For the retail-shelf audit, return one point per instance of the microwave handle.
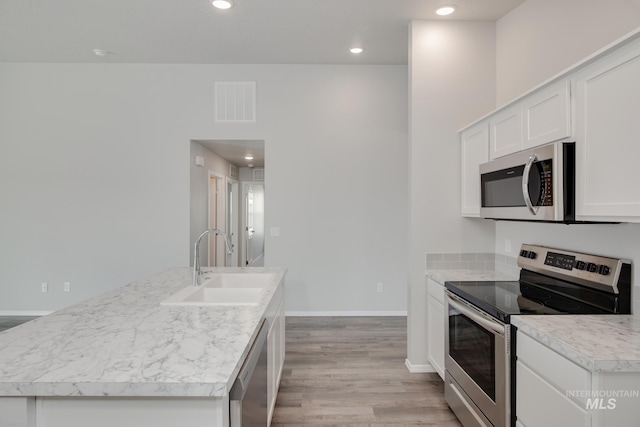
(525, 185)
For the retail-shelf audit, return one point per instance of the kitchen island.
(123, 359)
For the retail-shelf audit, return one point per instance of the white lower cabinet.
(543, 382)
(275, 355)
(553, 391)
(435, 331)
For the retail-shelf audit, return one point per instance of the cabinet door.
(474, 148)
(505, 132)
(275, 358)
(543, 379)
(607, 127)
(435, 330)
(539, 404)
(547, 115)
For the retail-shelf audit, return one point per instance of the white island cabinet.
(275, 349)
(577, 370)
(123, 359)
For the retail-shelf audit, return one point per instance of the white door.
(253, 224)
(217, 219)
(233, 221)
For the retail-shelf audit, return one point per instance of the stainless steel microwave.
(531, 185)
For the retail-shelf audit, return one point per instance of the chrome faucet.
(196, 252)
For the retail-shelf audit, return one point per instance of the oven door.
(477, 364)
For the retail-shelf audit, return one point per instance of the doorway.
(218, 169)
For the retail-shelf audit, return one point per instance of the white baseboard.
(24, 313)
(419, 369)
(344, 313)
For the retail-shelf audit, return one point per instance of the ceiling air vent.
(235, 102)
(258, 174)
(233, 171)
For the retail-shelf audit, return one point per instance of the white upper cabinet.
(607, 129)
(538, 119)
(474, 147)
(547, 115)
(597, 105)
(505, 131)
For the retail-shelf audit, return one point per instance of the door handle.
(525, 185)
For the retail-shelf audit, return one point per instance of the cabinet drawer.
(554, 368)
(541, 404)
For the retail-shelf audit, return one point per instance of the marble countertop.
(124, 343)
(598, 343)
(442, 276)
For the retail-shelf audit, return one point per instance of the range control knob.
(604, 270)
(524, 253)
(581, 265)
(532, 255)
(591, 267)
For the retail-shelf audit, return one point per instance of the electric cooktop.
(553, 281)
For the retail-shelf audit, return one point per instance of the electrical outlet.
(507, 246)
(45, 287)
(67, 286)
(380, 287)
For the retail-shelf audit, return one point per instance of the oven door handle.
(525, 185)
(473, 315)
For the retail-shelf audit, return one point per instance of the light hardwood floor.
(350, 371)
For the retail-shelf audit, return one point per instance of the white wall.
(199, 196)
(452, 82)
(535, 41)
(541, 38)
(94, 177)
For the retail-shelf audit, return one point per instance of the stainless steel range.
(479, 340)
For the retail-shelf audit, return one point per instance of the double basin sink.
(223, 289)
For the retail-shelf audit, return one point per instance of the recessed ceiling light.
(222, 4)
(356, 50)
(100, 52)
(445, 10)
(248, 157)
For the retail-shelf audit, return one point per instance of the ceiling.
(192, 31)
(235, 150)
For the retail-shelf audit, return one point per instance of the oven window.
(473, 348)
